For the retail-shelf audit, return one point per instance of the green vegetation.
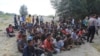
(5, 16)
(76, 8)
(23, 10)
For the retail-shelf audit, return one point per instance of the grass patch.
(97, 46)
(0, 30)
(5, 17)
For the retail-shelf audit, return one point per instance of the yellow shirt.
(28, 20)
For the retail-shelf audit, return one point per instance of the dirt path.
(84, 50)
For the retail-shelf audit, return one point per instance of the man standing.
(33, 20)
(41, 20)
(29, 22)
(99, 21)
(73, 22)
(92, 26)
(15, 22)
(37, 20)
(22, 20)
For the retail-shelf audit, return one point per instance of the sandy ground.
(8, 46)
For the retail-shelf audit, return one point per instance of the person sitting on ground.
(48, 45)
(21, 43)
(23, 28)
(59, 44)
(81, 35)
(10, 31)
(29, 49)
(68, 42)
(19, 36)
(74, 36)
(64, 31)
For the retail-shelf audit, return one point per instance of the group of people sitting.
(36, 39)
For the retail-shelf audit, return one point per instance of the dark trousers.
(91, 33)
(38, 52)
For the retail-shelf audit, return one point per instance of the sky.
(39, 7)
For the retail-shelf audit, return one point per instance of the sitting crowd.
(39, 38)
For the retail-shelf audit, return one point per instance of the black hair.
(23, 35)
(69, 35)
(48, 34)
(10, 25)
(21, 32)
(58, 38)
(29, 41)
(74, 29)
(29, 15)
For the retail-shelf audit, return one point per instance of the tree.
(1, 12)
(23, 10)
(77, 8)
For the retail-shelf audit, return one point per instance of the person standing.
(19, 22)
(92, 26)
(15, 22)
(22, 19)
(85, 22)
(41, 20)
(99, 21)
(29, 23)
(33, 20)
(37, 20)
(73, 22)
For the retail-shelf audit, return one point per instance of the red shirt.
(48, 45)
(80, 33)
(19, 36)
(10, 29)
(64, 32)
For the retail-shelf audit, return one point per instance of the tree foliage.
(23, 10)
(77, 8)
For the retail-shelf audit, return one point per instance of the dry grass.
(97, 46)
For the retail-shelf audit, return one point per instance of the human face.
(49, 37)
(31, 43)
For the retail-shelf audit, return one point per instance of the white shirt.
(41, 19)
(92, 22)
(72, 21)
(98, 21)
(21, 19)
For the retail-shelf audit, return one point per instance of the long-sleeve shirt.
(28, 51)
